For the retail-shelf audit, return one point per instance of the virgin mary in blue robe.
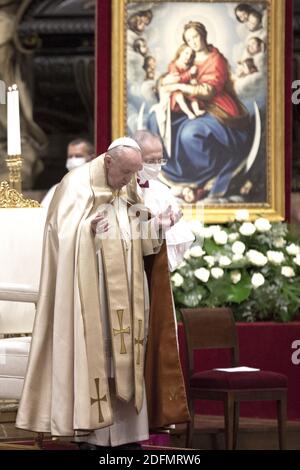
(211, 147)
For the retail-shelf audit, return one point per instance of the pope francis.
(103, 363)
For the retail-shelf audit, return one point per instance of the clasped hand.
(100, 223)
(168, 218)
(163, 221)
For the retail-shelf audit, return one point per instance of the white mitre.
(124, 142)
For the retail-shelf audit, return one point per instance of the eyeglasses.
(161, 161)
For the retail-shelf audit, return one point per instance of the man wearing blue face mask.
(159, 199)
(79, 151)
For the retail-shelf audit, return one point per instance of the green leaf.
(211, 247)
(189, 284)
(219, 289)
(201, 292)
(238, 293)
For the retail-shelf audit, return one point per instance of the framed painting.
(208, 77)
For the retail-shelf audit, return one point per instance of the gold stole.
(126, 316)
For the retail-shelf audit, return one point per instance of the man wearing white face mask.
(79, 151)
(159, 199)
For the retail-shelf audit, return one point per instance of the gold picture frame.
(272, 204)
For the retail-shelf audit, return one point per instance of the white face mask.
(150, 171)
(74, 162)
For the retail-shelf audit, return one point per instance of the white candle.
(13, 122)
(9, 121)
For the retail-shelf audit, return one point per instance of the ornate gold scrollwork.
(11, 198)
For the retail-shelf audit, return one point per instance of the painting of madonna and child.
(197, 75)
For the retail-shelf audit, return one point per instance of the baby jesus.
(182, 66)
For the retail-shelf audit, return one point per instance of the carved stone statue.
(33, 139)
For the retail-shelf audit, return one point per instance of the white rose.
(220, 237)
(181, 265)
(287, 271)
(202, 274)
(210, 260)
(247, 229)
(196, 227)
(238, 248)
(279, 242)
(187, 255)
(217, 273)
(237, 257)
(196, 252)
(257, 280)
(262, 225)
(215, 228)
(256, 257)
(177, 279)
(207, 232)
(241, 215)
(224, 261)
(235, 276)
(275, 257)
(232, 237)
(297, 260)
(293, 249)
(203, 232)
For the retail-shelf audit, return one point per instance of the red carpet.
(156, 441)
(31, 445)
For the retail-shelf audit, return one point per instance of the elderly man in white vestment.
(88, 363)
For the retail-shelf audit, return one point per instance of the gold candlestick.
(14, 165)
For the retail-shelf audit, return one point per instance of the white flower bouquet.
(251, 267)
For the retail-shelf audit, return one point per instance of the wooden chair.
(215, 328)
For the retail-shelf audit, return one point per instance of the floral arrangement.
(251, 267)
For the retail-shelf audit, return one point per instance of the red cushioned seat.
(214, 328)
(217, 379)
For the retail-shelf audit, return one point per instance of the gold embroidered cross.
(98, 400)
(140, 342)
(122, 331)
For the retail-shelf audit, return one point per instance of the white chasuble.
(128, 425)
(67, 386)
